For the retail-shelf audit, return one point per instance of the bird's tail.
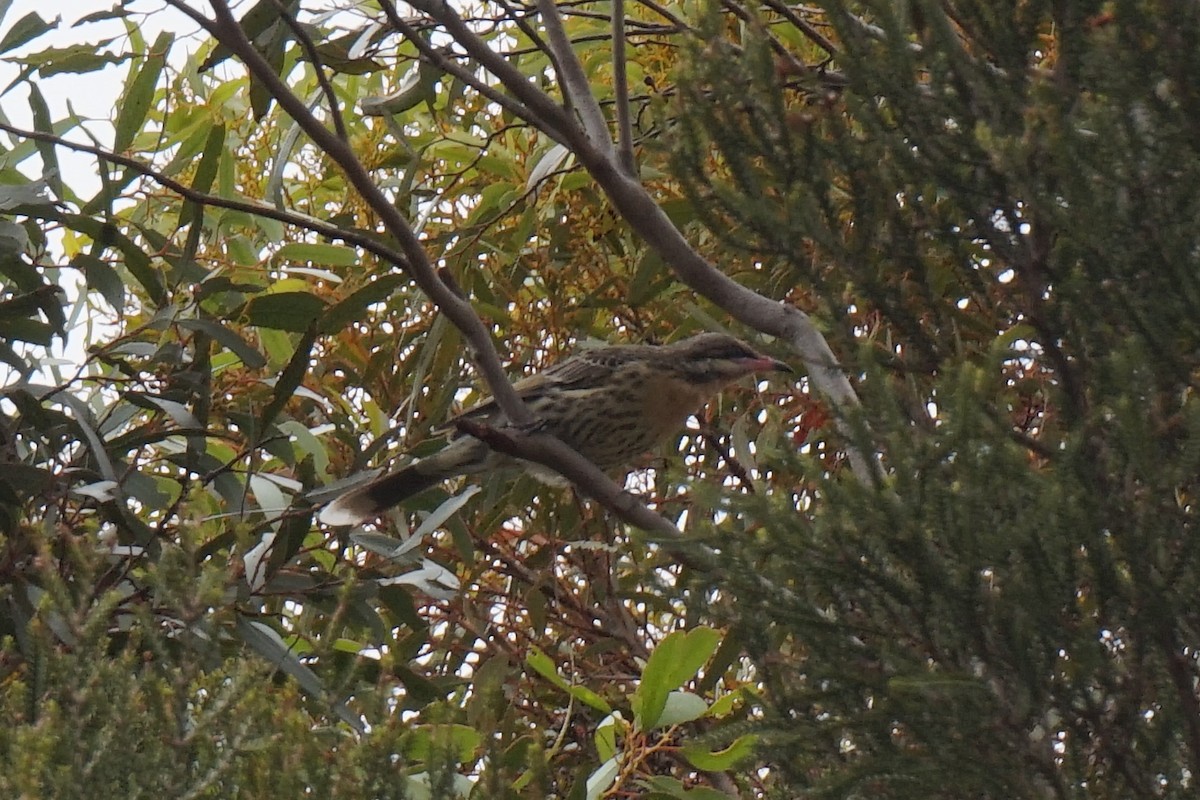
(462, 457)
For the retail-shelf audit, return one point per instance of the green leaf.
(383, 545)
(290, 379)
(725, 704)
(48, 152)
(267, 643)
(178, 412)
(681, 707)
(443, 512)
(258, 23)
(107, 235)
(79, 58)
(26, 29)
(272, 46)
(334, 255)
(427, 742)
(418, 86)
(602, 778)
(606, 736)
(141, 268)
(352, 308)
(206, 172)
(702, 758)
(116, 12)
(674, 661)
(84, 419)
(135, 101)
(540, 663)
(102, 278)
(23, 329)
(285, 311)
(229, 339)
(32, 193)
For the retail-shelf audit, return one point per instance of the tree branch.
(791, 324)
(625, 153)
(443, 60)
(803, 25)
(357, 238)
(549, 118)
(542, 448)
(649, 221)
(310, 49)
(572, 78)
(225, 29)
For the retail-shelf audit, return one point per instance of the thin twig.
(545, 114)
(366, 241)
(804, 26)
(310, 49)
(444, 61)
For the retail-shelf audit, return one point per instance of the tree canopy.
(955, 558)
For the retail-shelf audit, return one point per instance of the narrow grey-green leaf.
(78, 59)
(83, 418)
(139, 93)
(178, 412)
(336, 255)
(353, 307)
(206, 172)
(444, 512)
(32, 193)
(26, 29)
(290, 379)
(229, 339)
(102, 278)
(49, 153)
(263, 639)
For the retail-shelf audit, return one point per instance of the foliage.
(1013, 613)
(102, 696)
(987, 213)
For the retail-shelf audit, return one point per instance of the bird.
(610, 404)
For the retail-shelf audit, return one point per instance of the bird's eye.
(734, 353)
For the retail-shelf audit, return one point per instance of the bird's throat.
(668, 401)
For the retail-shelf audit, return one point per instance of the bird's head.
(716, 358)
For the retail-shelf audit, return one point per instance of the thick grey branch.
(572, 77)
(625, 153)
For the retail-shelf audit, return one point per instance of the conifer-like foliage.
(995, 216)
(955, 558)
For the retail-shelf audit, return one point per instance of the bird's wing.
(585, 369)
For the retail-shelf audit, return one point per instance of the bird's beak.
(767, 364)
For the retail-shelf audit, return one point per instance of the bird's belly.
(613, 428)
